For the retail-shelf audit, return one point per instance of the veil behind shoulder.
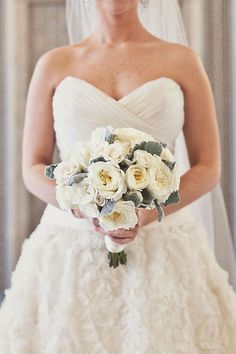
(163, 19)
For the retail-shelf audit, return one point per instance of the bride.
(172, 296)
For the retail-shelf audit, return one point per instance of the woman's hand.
(120, 236)
(146, 216)
(123, 236)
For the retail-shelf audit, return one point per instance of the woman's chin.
(116, 7)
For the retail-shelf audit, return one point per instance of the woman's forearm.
(194, 183)
(40, 185)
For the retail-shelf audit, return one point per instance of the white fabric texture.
(163, 18)
(171, 297)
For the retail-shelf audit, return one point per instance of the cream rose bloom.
(167, 155)
(87, 198)
(66, 169)
(99, 149)
(115, 152)
(86, 192)
(162, 181)
(99, 200)
(123, 215)
(89, 209)
(67, 196)
(143, 158)
(132, 136)
(99, 134)
(81, 153)
(137, 177)
(108, 179)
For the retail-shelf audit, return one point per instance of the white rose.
(167, 155)
(99, 149)
(67, 196)
(81, 153)
(86, 192)
(162, 181)
(143, 158)
(115, 152)
(108, 179)
(137, 177)
(132, 136)
(89, 209)
(99, 134)
(99, 200)
(123, 215)
(66, 169)
(87, 198)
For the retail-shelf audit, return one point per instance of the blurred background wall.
(31, 27)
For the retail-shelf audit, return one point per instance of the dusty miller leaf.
(170, 164)
(147, 197)
(76, 178)
(173, 198)
(134, 197)
(110, 137)
(49, 171)
(101, 158)
(108, 207)
(160, 210)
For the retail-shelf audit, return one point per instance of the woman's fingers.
(95, 221)
(122, 241)
(120, 236)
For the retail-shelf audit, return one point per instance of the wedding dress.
(171, 297)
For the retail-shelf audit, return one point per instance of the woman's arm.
(200, 131)
(38, 136)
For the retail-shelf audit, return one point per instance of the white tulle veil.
(163, 19)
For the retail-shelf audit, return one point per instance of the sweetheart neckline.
(135, 90)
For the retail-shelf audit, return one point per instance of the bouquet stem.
(117, 258)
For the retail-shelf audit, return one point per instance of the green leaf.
(153, 147)
(170, 164)
(164, 145)
(98, 159)
(76, 178)
(49, 171)
(160, 210)
(124, 164)
(173, 198)
(108, 207)
(110, 137)
(147, 197)
(135, 197)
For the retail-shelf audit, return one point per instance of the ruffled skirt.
(172, 297)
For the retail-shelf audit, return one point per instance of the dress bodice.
(156, 107)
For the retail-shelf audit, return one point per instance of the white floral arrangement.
(117, 171)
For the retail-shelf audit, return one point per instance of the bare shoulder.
(187, 65)
(53, 63)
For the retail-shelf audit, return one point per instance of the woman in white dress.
(172, 296)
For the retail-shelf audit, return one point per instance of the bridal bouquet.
(117, 171)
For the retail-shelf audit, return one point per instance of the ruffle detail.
(171, 298)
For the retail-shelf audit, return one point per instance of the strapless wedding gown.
(172, 297)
